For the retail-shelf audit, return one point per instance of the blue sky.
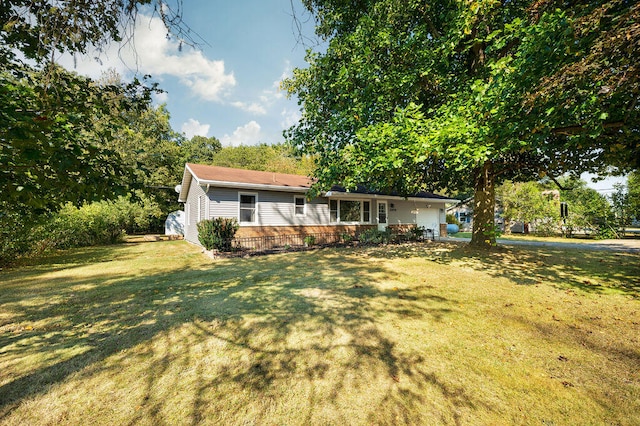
(229, 86)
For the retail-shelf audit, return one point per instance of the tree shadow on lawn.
(324, 298)
(588, 270)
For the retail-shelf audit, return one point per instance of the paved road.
(630, 246)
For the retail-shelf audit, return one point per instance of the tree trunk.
(484, 202)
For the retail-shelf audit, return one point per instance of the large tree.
(429, 95)
(56, 128)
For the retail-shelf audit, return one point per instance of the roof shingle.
(227, 174)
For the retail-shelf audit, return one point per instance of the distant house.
(463, 212)
(266, 203)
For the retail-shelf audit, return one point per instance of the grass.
(156, 333)
(531, 237)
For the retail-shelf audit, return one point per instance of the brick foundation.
(443, 229)
(268, 231)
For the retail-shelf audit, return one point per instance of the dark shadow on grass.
(326, 292)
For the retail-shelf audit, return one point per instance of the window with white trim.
(248, 208)
(333, 210)
(300, 205)
(349, 211)
(366, 211)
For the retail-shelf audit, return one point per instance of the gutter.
(254, 186)
(337, 194)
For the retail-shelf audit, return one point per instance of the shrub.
(217, 233)
(451, 218)
(16, 236)
(374, 236)
(102, 222)
(346, 237)
(97, 223)
(309, 240)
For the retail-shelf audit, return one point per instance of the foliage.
(375, 236)
(529, 203)
(272, 158)
(414, 233)
(97, 223)
(15, 235)
(346, 237)
(621, 206)
(309, 240)
(217, 233)
(451, 218)
(414, 95)
(51, 139)
(589, 211)
(92, 224)
(57, 129)
(200, 149)
(633, 193)
(40, 30)
(151, 150)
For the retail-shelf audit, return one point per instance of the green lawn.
(434, 333)
(531, 237)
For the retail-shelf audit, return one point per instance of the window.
(382, 212)
(333, 210)
(247, 208)
(349, 211)
(299, 206)
(366, 211)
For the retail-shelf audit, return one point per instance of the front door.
(382, 215)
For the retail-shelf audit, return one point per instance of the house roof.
(256, 180)
(227, 174)
(241, 178)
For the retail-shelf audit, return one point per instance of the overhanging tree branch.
(579, 128)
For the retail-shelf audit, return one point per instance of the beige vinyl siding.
(401, 212)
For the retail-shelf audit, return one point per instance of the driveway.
(630, 246)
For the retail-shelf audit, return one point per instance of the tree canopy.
(272, 158)
(430, 95)
(57, 129)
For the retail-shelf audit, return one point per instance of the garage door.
(429, 218)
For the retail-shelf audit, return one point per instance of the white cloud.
(151, 52)
(160, 98)
(253, 107)
(193, 127)
(249, 134)
(289, 118)
(267, 98)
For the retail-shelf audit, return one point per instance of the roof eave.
(340, 194)
(186, 183)
(252, 186)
